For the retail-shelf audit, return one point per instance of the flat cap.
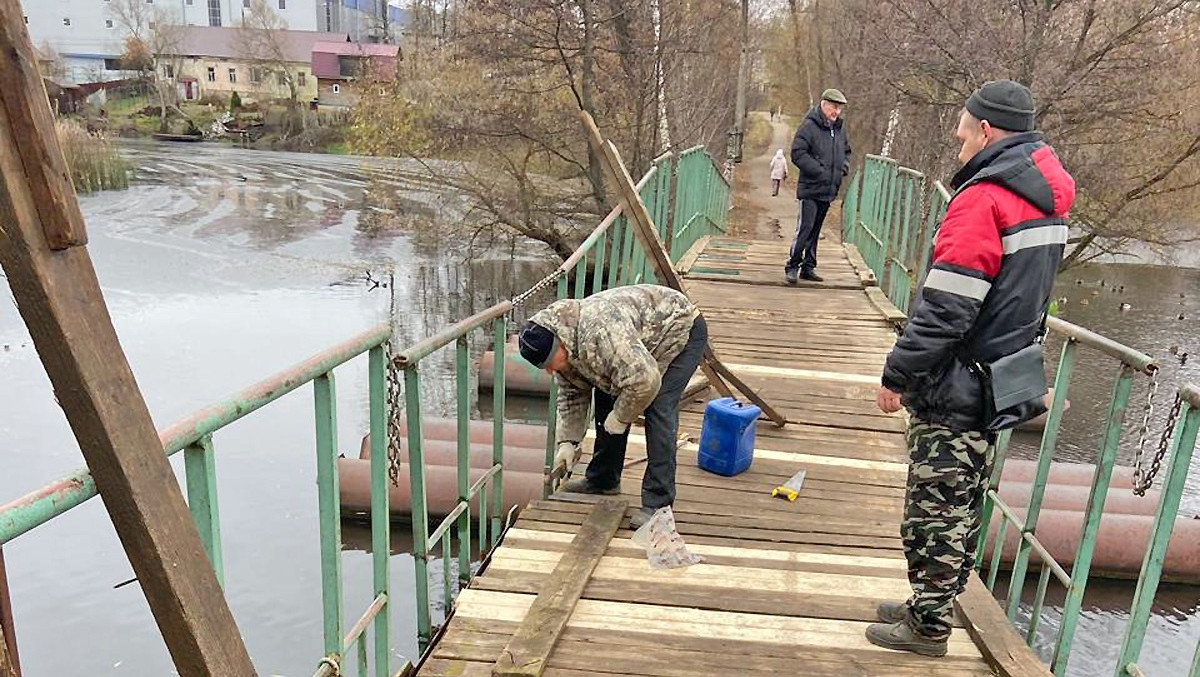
(834, 95)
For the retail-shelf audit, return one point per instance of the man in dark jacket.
(983, 302)
(821, 151)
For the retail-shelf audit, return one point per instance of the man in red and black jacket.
(994, 260)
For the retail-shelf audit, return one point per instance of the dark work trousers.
(662, 427)
(808, 232)
(775, 187)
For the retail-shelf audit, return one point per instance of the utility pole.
(739, 115)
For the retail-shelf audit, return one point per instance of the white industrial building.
(90, 40)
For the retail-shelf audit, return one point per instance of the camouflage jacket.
(620, 341)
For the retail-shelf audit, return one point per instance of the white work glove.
(614, 425)
(566, 455)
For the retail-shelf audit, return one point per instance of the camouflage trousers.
(947, 478)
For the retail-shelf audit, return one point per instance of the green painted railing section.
(687, 200)
(892, 220)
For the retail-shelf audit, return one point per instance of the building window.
(112, 64)
(301, 78)
(214, 12)
(282, 4)
(255, 75)
(233, 75)
(188, 3)
(66, 21)
(282, 77)
(212, 74)
(151, 25)
(108, 23)
(246, 4)
(337, 89)
(169, 71)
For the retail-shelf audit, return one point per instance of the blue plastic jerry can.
(727, 437)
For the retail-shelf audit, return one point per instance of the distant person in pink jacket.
(779, 171)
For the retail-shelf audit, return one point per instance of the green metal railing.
(887, 215)
(610, 256)
(892, 224)
(701, 201)
(1130, 364)
(1182, 447)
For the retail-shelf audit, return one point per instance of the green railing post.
(381, 531)
(1195, 672)
(1160, 537)
(1062, 382)
(1091, 524)
(325, 400)
(499, 335)
(985, 518)
(462, 375)
(598, 267)
(1035, 613)
(201, 471)
(420, 514)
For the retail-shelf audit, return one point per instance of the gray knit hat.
(1004, 104)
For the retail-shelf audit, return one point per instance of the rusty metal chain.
(395, 393)
(541, 284)
(1143, 479)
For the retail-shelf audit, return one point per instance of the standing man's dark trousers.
(808, 232)
(662, 428)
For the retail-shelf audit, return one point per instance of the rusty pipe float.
(1074, 497)
(1078, 474)
(1120, 544)
(445, 453)
(441, 489)
(478, 432)
(519, 376)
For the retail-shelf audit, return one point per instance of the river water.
(223, 266)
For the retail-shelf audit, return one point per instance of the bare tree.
(153, 47)
(1115, 81)
(263, 42)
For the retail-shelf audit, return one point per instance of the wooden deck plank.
(526, 654)
(785, 586)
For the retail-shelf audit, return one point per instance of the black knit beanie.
(1004, 104)
(537, 344)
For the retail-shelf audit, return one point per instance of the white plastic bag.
(664, 546)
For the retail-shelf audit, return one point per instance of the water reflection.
(1152, 309)
(221, 267)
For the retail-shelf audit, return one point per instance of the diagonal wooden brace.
(643, 227)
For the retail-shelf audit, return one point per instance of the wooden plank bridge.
(785, 587)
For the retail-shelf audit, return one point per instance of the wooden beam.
(54, 284)
(1003, 649)
(635, 210)
(528, 652)
(10, 661)
(689, 258)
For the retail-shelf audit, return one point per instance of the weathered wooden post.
(43, 252)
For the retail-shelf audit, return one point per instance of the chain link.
(395, 391)
(541, 284)
(1143, 479)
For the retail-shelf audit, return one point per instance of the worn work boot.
(791, 276)
(892, 612)
(901, 637)
(811, 277)
(581, 485)
(640, 517)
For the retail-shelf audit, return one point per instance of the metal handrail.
(1085, 337)
(624, 262)
(44, 504)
